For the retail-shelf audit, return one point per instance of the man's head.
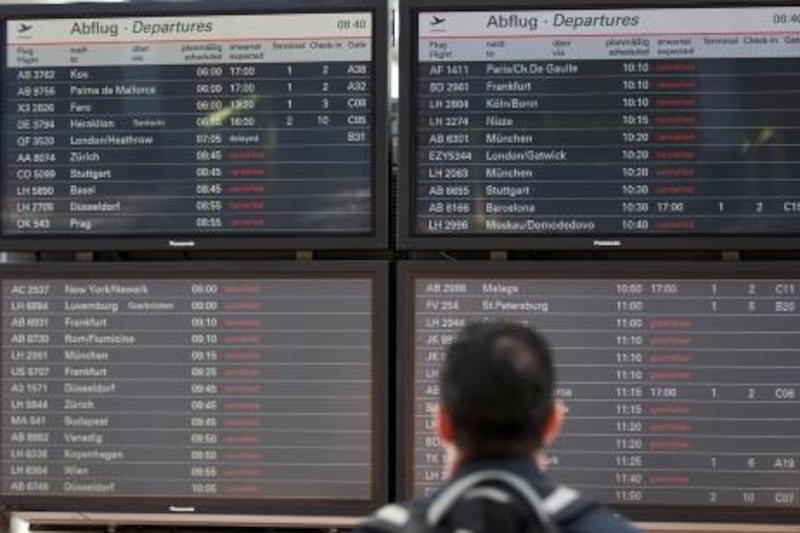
(497, 392)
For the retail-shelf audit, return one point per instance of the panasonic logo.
(607, 244)
(181, 244)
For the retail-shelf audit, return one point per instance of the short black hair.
(497, 387)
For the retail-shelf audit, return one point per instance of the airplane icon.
(25, 28)
(437, 20)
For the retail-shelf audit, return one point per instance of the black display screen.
(182, 126)
(244, 383)
(605, 125)
(681, 386)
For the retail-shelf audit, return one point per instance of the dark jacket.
(594, 519)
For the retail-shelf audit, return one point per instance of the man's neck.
(469, 461)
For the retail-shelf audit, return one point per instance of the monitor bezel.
(409, 271)
(376, 239)
(376, 271)
(409, 239)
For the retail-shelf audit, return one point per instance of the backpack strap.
(559, 499)
(396, 518)
(564, 504)
(455, 492)
(394, 515)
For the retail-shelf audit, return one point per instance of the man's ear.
(444, 425)
(555, 421)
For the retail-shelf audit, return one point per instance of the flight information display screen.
(250, 125)
(260, 385)
(611, 125)
(681, 389)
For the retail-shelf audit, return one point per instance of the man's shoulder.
(594, 519)
(572, 512)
